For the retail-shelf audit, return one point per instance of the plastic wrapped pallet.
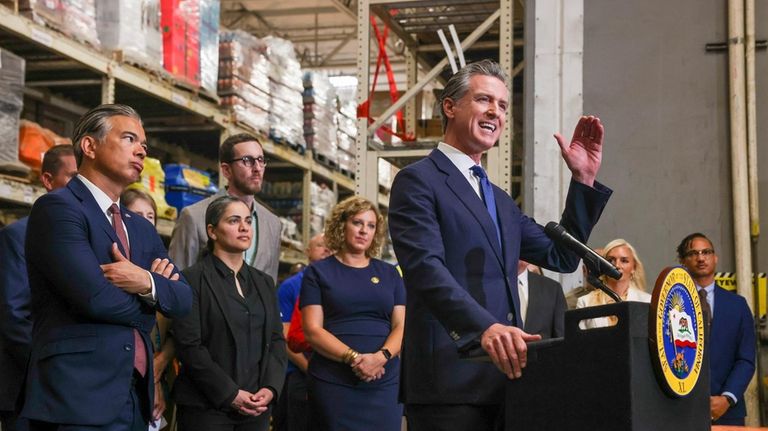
(12, 89)
(323, 200)
(347, 161)
(132, 27)
(75, 18)
(209, 44)
(243, 83)
(320, 111)
(385, 174)
(180, 22)
(153, 182)
(286, 87)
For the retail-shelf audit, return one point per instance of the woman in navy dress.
(353, 310)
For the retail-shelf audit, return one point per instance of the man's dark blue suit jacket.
(81, 363)
(457, 278)
(731, 349)
(15, 320)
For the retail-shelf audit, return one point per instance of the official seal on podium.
(676, 332)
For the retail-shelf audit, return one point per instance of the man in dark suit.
(97, 273)
(58, 168)
(542, 303)
(458, 239)
(731, 340)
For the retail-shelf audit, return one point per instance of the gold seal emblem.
(676, 331)
(375, 280)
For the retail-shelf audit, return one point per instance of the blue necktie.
(490, 204)
(490, 201)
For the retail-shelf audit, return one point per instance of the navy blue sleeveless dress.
(357, 309)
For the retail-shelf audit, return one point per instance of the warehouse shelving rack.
(74, 77)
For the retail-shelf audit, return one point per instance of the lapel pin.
(375, 280)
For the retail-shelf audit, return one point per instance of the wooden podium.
(602, 379)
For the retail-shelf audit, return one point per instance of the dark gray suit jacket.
(190, 237)
(546, 307)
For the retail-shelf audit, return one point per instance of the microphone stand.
(594, 281)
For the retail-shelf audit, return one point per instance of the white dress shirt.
(463, 163)
(105, 202)
(710, 296)
(522, 292)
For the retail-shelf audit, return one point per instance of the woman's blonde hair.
(638, 280)
(334, 226)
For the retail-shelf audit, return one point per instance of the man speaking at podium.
(458, 239)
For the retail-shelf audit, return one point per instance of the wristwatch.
(731, 402)
(386, 353)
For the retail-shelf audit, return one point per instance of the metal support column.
(553, 103)
(366, 173)
(306, 206)
(499, 158)
(411, 73)
(108, 89)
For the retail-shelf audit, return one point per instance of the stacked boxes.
(190, 41)
(12, 89)
(185, 185)
(320, 130)
(286, 110)
(153, 182)
(75, 18)
(347, 134)
(323, 200)
(132, 27)
(174, 26)
(243, 84)
(209, 44)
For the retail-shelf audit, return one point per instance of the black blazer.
(206, 348)
(546, 307)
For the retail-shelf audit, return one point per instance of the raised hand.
(584, 153)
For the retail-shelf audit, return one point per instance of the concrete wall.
(664, 102)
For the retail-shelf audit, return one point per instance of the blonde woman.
(630, 287)
(353, 310)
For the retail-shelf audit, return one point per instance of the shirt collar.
(462, 161)
(523, 278)
(102, 200)
(709, 289)
(226, 271)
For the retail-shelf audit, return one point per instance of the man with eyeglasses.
(242, 163)
(731, 341)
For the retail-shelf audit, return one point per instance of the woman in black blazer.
(231, 345)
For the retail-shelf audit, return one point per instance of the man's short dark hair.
(94, 124)
(52, 158)
(685, 244)
(227, 148)
(458, 85)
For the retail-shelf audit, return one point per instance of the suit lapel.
(463, 191)
(217, 293)
(266, 335)
(261, 227)
(134, 239)
(92, 210)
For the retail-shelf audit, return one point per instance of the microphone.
(596, 263)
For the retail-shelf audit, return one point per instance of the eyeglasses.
(707, 252)
(249, 161)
